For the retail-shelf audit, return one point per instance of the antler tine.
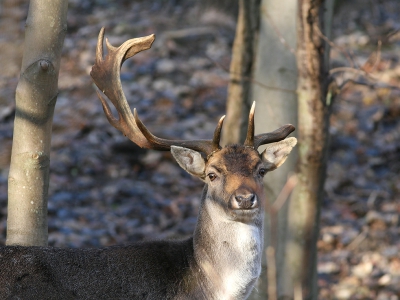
(265, 138)
(106, 75)
(99, 47)
(249, 142)
(217, 135)
(274, 136)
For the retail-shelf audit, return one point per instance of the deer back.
(154, 270)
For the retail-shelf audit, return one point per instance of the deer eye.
(212, 176)
(262, 172)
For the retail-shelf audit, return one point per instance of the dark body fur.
(158, 270)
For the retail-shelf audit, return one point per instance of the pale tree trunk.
(35, 100)
(314, 109)
(274, 89)
(241, 70)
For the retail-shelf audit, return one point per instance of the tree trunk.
(276, 105)
(313, 132)
(241, 69)
(35, 100)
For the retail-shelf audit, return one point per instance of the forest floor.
(104, 190)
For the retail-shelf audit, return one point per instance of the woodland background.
(104, 190)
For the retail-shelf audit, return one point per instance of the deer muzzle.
(243, 199)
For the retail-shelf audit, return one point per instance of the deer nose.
(245, 201)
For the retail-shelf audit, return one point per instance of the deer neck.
(228, 252)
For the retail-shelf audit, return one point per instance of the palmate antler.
(106, 75)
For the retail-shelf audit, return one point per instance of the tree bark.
(313, 133)
(35, 100)
(241, 71)
(276, 105)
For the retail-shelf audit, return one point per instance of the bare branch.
(271, 273)
(252, 80)
(285, 193)
(334, 46)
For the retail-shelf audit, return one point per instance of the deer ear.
(189, 160)
(276, 153)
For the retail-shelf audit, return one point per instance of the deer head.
(234, 173)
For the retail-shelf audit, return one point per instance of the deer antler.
(106, 75)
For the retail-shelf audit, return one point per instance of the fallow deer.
(223, 258)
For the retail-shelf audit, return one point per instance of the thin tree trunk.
(313, 135)
(276, 105)
(241, 69)
(35, 100)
